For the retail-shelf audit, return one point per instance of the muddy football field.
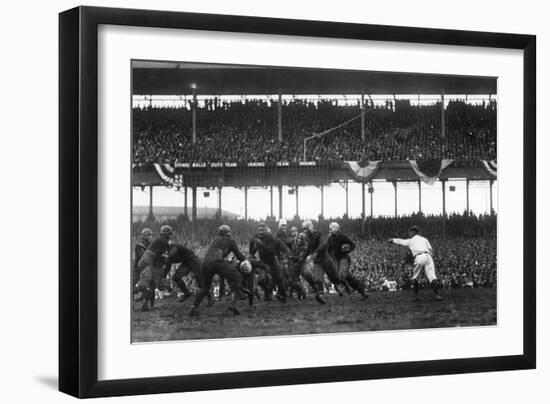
(168, 320)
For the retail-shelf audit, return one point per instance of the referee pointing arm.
(421, 249)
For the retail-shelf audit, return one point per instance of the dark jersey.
(299, 253)
(314, 241)
(285, 238)
(181, 254)
(157, 249)
(257, 264)
(268, 248)
(139, 249)
(221, 247)
(335, 243)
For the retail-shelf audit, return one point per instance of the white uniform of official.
(421, 249)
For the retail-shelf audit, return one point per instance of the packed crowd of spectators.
(380, 228)
(459, 261)
(247, 131)
(466, 257)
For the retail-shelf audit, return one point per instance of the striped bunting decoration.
(165, 172)
(490, 166)
(362, 170)
(429, 170)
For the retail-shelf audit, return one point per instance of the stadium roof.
(176, 78)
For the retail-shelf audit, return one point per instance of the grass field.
(381, 311)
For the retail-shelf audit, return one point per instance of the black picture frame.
(78, 206)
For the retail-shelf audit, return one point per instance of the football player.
(151, 266)
(188, 262)
(299, 267)
(214, 263)
(270, 249)
(318, 256)
(339, 246)
(144, 241)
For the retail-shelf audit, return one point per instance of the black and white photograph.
(277, 201)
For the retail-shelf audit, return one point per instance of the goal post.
(326, 132)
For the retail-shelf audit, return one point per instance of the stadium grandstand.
(203, 124)
(216, 127)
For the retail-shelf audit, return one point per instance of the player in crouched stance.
(214, 263)
(339, 246)
(270, 249)
(142, 244)
(150, 267)
(188, 262)
(421, 250)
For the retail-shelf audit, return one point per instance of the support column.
(491, 196)
(371, 199)
(219, 202)
(444, 209)
(395, 197)
(347, 199)
(194, 114)
(362, 115)
(419, 196)
(194, 206)
(363, 207)
(280, 201)
(150, 200)
(371, 191)
(467, 196)
(245, 203)
(442, 114)
(280, 117)
(271, 200)
(322, 201)
(185, 207)
(296, 193)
